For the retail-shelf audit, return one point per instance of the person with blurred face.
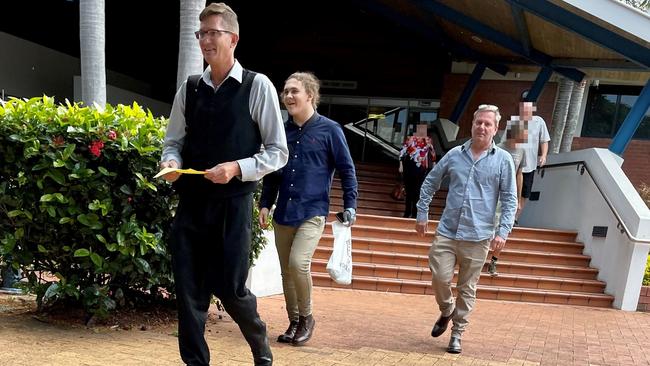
(516, 134)
(219, 121)
(317, 147)
(479, 173)
(536, 148)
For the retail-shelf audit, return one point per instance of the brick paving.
(357, 327)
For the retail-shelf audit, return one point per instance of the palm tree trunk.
(559, 114)
(190, 60)
(572, 116)
(92, 42)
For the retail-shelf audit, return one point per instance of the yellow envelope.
(177, 170)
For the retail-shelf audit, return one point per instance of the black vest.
(219, 128)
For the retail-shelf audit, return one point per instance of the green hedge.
(77, 201)
(80, 214)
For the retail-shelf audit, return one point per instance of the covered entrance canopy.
(595, 39)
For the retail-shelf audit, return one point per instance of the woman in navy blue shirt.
(317, 147)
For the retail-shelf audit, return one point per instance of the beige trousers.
(296, 246)
(443, 256)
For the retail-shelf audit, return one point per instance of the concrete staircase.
(537, 265)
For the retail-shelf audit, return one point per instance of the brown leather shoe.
(441, 325)
(305, 330)
(287, 336)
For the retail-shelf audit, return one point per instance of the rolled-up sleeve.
(265, 111)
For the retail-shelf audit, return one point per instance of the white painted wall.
(571, 201)
(28, 69)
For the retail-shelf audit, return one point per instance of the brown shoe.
(287, 336)
(305, 330)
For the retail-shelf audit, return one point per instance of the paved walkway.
(358, 328)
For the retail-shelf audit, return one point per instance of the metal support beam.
(466, 95)
(538, 85)
(501, 39)
(631, 122)
(590, 30)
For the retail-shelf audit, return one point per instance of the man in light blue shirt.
(480, 174)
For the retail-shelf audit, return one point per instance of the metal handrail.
(621, 225)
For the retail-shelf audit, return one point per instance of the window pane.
(601, 116)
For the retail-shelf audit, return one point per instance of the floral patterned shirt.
(418, 149)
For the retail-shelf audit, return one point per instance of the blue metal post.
(467, 92)
(632, 121)
(538, 84)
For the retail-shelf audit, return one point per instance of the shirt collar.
(311, 119)
(468, 143)
(236, 72)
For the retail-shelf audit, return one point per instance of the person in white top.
(536, 149)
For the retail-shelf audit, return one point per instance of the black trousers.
(210, 245)
(413, 179)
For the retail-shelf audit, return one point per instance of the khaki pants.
(296, 246)
(443, 256)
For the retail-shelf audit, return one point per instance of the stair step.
(483, 291)
(363, 232)
(380, 210)
(502, 280)
(414, 259)
(384, 222)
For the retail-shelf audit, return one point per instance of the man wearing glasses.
(217, 124)
(480, 174)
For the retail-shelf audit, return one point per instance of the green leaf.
(111, 247)
(56, 175)
(64, 220)
(14, 213)
(52, 291)
(41, 249)
(84, 220)
(58, 163)
(47, 198)
(126, 190)
(81, 252)
(61, 198)
(143, 265)
(101, 238)
(51, 211)
(96, 259)
(120, 238)
(69, 149)
(103, 171)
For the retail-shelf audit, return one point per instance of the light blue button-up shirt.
(474, 189)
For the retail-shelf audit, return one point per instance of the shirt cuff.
(502, 234)
(423, 216)
(247, 167)
(169, 157)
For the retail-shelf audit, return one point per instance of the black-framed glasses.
(200, 34)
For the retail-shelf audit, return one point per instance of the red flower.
(96, 148)
(112, 135)
(58, 140)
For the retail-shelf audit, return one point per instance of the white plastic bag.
(340, 264)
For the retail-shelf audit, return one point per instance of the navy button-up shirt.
(474, 188)
(316, 149)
